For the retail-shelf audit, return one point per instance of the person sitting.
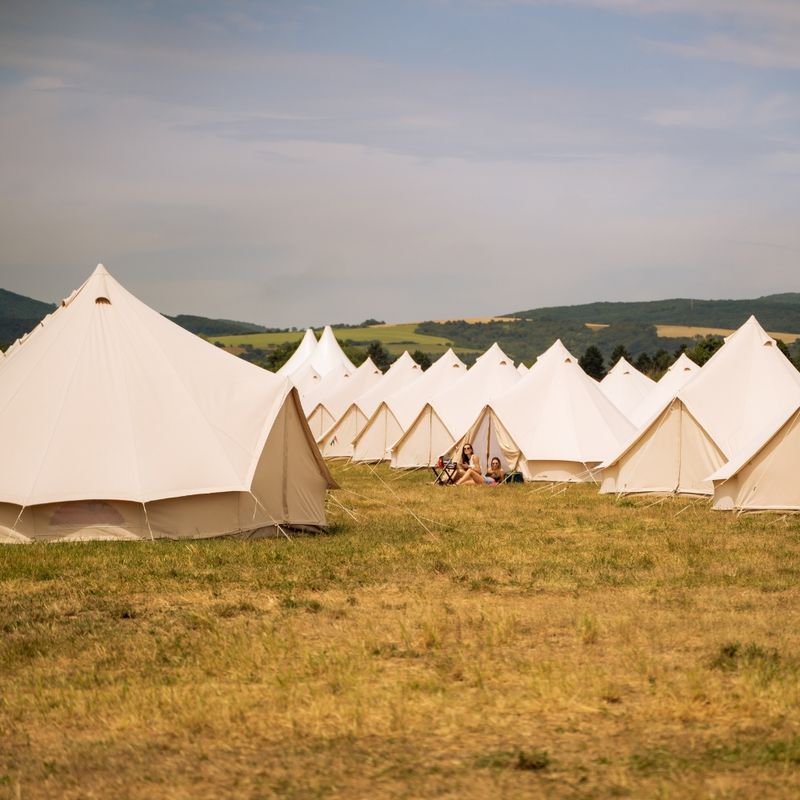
(469, 467)
(496, 473)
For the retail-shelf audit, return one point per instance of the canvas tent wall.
(393, 416)
(325, 406)
(117, 423)
(554, 425)
(449, 413)
(763, 475)
(625, 386)
(744, 386)
(337, 441)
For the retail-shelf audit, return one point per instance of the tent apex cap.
(100, 270)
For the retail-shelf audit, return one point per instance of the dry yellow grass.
(442, 642)
(675, 331)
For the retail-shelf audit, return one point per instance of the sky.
(297, 163)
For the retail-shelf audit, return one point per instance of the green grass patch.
(395, 338)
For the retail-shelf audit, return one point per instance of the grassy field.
(678, 331)
(440, 642)
(395, 338)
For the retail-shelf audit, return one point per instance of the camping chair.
(445, 470)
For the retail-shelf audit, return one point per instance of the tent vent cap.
(102, 301)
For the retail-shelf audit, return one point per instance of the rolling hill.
(642, 327)
(19, 314)
(778, 312)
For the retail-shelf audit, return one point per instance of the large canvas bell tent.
(763, 475)
(393, 416)
(554, 425)
(450, 412)
(337, 441)
(118, 424)
(746, 385)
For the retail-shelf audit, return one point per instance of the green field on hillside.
(395, 338)
(519, 641)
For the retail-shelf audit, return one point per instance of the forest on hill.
(775, 312)
(19, 314)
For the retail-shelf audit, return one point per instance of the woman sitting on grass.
(496, 473)
(469, 468)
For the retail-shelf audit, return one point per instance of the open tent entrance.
(489, 439)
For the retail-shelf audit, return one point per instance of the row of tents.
(728, 430)
(118, 424)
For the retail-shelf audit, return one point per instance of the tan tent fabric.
(393, 416)
(555, 424)
(763, 476)
(745, 386)
(110, 406)
(337, 441)
(678, 455)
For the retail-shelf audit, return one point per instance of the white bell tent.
(554, 425)
(449, 413)
(762, 476)
(118, 424)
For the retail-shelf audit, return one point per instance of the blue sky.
(297, 163)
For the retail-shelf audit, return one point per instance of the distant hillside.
(203, 326)
(19, 314)
(776, 312)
